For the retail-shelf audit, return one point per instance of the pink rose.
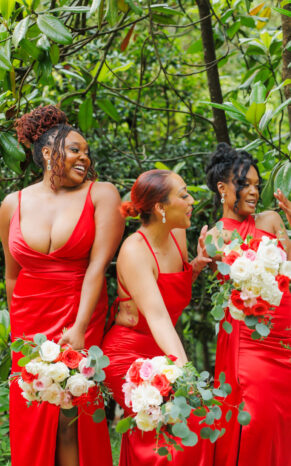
(250, 254)
(85, 370)
(146, 370)
(283, 255)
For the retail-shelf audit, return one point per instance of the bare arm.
(136, 269)
(280, 231)
(109, 231)
(12, 268)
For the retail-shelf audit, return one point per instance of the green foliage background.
(132, 76)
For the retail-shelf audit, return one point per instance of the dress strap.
(124, 289)
(150, 248)
(178, 247)
(19, 197)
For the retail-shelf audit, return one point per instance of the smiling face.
(179, 208)
(248, 195)
(72, 164)
(77, 161)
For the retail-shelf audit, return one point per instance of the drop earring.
(222, 200)
(164, 217)
(48, 166)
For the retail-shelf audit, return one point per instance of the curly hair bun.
(32, 125)
(128, 209)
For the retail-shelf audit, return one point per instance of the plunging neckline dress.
(123, 345)
(45, 300)
(259, 372)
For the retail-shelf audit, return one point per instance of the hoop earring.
(164, 217)
(222, 200)
(48, 166)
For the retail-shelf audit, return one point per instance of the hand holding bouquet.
(253, 276)
(61, 376)
(162, 396)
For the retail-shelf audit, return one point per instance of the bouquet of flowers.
(161, 397)
(61, 376)
(253, 276)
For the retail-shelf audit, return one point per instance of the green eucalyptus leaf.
(223, 268)
(227, 327)
(98, 415)
(39, 338)
(244, 418)
(124, 425)
(262, 329)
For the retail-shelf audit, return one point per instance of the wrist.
(80, 327)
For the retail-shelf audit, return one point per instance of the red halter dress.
(123, 345)
(260, 375)
(45, 300)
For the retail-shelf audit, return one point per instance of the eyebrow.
(251, 179)
(76, 144)
(181, 189)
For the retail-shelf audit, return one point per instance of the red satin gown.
(123, 345)
(260, 375)
(45, 300)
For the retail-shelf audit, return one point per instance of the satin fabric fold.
(123, 346)
(260, 375)
(45, 300)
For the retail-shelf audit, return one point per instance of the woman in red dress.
(154, 286)
(59, 236)
(259, 371)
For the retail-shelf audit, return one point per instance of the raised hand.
(284, 204)
(202, 259)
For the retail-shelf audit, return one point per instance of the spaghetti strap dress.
(45, 300)
(123, 345)
(259, 372)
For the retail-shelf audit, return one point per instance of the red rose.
(88, 401)
(244, 247)
(134, 372)
(236, 300)
(71, 358)
(254, 243)
(231, 257)
(283, 283)
(260, 308)
(222, 278)
(27, 376)
(162, 384)
(172, 357)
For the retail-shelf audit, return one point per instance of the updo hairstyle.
(228, 164)
(150, 187)
(47, 126)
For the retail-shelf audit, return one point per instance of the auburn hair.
(150, 187)
(47, 126)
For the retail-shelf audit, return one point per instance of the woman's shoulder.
(104, 188)
(10, 202)
(268, 220)
(133, 252)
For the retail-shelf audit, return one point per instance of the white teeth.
(80, 167)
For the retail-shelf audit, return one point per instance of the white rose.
(52, 394)
(26, 387)
(58, 371)
(37, 368)
(144, 421)
(145, 395)
(258, 268)
(78, 384)
(272, 294)
(241, 269)
(30, 396)
(172, 372)
(285, 269)
(42, 383)
(49, 351)
(158, 363)
(235, 313)
(269, 254)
